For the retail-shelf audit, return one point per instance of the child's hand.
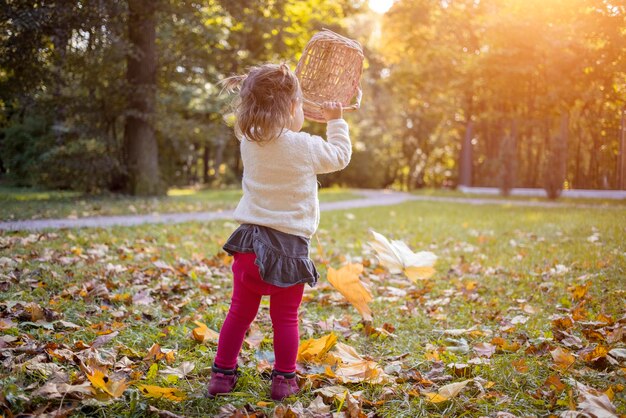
(332, 110)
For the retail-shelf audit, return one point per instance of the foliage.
(22, 146)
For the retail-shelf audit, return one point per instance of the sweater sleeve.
(334, 154)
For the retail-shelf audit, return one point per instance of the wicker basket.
(330, 70)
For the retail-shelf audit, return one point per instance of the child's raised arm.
(334, 154)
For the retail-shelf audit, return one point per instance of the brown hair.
(263, 106)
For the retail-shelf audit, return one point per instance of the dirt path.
(369, 198)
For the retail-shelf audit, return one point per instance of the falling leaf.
(446, 392)
(562, 358)
(173, 394)
(203, 333)
(314, 350)
(398, 257)
(346, 281)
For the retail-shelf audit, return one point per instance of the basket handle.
(352, 107)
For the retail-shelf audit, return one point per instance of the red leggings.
(248, 289)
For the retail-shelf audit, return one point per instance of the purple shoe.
(283, 385)
(222, 380)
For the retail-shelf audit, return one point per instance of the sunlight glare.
(380, 6)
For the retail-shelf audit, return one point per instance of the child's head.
(269, 101)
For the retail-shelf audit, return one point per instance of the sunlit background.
(497, 93)
(380, 6)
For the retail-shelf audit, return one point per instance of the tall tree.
(142, 155)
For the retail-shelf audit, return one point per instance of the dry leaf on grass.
(447, 392)
(158, 392)
(181, 371)
(346, 281)
(203, 333)
(114, 388)
(398, 257)
(63, 390)
(593, 402)
(562, 358)
(314, 350)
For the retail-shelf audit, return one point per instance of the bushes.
(21, 148)
(32, 157)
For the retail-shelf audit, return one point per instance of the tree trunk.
(139, 137)
(465, 174)
(206, 156)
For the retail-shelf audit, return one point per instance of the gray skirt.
(283, 259)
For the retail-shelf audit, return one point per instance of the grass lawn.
(568, 200)
(24, 203)
(525, 303)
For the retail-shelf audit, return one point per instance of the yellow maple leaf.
(346, 281)
(173, 394)
(114, 388)
(314, 350)
(203, 333)
(398, 257)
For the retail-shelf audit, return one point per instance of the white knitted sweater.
(280, 178)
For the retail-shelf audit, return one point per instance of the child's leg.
(284, 304)
(247, 293)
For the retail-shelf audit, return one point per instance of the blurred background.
(122, 96)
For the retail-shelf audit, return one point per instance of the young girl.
(278, 213)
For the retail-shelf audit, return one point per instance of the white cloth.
(280, 177)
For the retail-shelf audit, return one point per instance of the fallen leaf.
(398, 257)
(317, 406)
(162, 413)
(61, 390)
(593, 402)
(579, 291)
(520, 365)
(181, 371)
(155, 353)
(484, 349)
(447, 392)
(203, 333)
(314, 350)
(103, 339)
(173, 394)
(346, 281)
(562, 358)
(100, 380)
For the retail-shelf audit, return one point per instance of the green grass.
(565, 200)
(495, 262)
(23, 203)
